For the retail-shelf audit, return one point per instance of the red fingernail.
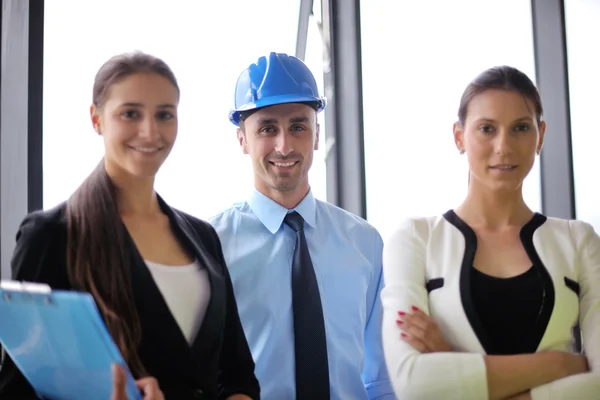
(399, 322)
(414, 308)
(401, 313)
(403, 335)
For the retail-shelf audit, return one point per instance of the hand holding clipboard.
(61, 345)
(148, 386)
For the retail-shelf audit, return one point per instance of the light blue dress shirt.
(346, 253)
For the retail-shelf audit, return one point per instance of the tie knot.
(294, 221)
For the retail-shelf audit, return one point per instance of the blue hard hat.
(276, 79)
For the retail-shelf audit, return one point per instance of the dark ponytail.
(98, 255)
(97, 259)
(504, 78)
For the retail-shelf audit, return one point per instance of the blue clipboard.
(59, 342)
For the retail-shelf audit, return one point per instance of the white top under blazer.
(186, 290)
(427, 262)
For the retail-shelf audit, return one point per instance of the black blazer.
(217, 364)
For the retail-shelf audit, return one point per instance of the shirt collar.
(271, 213)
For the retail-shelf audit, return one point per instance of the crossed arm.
(508, 377)
(419, 373)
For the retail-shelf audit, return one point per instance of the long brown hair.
(98, 255)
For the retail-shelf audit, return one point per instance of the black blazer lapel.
(209, 335)
(208, 341)
(163, 346)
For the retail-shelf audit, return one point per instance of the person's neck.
(494, 210)
(135, 196)
(289, 198)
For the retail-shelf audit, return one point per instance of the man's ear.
(318, 131)
(242, 140)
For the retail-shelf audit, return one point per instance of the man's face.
(280, 140)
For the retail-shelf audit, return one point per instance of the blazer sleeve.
(416, 376)
(28, 264)
(582, 386)
(236, 366)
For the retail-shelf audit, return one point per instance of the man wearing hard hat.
(306, 274)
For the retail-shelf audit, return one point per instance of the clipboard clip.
(8, 286)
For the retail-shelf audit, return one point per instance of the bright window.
(314, 61)
(416, 63)
(583, 31)
(207, 46)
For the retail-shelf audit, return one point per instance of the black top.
(216, 365)
(481, 315)
(509, 309)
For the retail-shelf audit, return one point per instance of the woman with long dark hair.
(157, 274)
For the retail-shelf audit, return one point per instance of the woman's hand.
(148, 386)
(421, 332)
(575, 363)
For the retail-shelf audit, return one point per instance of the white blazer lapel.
(445, 302)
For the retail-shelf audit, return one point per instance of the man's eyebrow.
(267, 121)
(296, 120)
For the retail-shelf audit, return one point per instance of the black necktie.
(312, 367)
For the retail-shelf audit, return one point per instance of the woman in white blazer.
(480, 303)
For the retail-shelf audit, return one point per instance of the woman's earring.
(461, 151)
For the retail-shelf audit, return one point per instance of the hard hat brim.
(234, 115)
